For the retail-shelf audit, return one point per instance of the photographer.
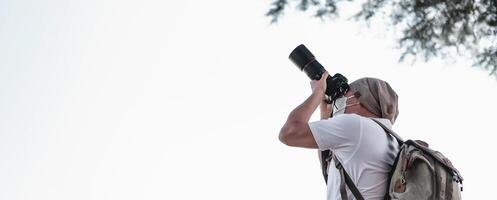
(363, 148)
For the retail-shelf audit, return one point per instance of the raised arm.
(296, 131)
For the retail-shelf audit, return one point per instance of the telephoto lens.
(336, 86)
(306, 61)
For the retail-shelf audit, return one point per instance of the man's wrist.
(319, 97)
(318, 92)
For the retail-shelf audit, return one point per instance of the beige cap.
(376, 96)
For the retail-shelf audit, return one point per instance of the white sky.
(184, 100)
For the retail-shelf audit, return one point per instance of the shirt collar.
(385, 122)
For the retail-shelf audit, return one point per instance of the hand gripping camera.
(336, 85)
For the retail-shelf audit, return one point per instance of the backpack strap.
(325, 163)
(345, 180)
(400, 141)
(389, 131)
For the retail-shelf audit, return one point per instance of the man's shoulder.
(347, 117)
(355, 118)
(340, 120)
(339, 133)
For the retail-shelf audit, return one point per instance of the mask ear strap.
(356, 94)
(354, 104)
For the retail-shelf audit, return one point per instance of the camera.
(336, 85)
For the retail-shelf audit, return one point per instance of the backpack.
(417, 173)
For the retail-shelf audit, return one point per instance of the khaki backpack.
(417, 173)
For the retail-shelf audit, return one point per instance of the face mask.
(341, 104)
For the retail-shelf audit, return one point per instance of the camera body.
(336, 85)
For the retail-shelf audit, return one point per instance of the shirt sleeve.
(339, 133)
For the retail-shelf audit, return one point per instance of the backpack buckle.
(338, 164)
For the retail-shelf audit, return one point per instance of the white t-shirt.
(366, 151)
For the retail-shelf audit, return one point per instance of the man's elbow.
(284, 135)
(287, 134)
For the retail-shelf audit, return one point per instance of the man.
(365, 150)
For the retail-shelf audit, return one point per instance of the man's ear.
(357, 94)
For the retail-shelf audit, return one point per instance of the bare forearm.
(325, 110)
(304, 111)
